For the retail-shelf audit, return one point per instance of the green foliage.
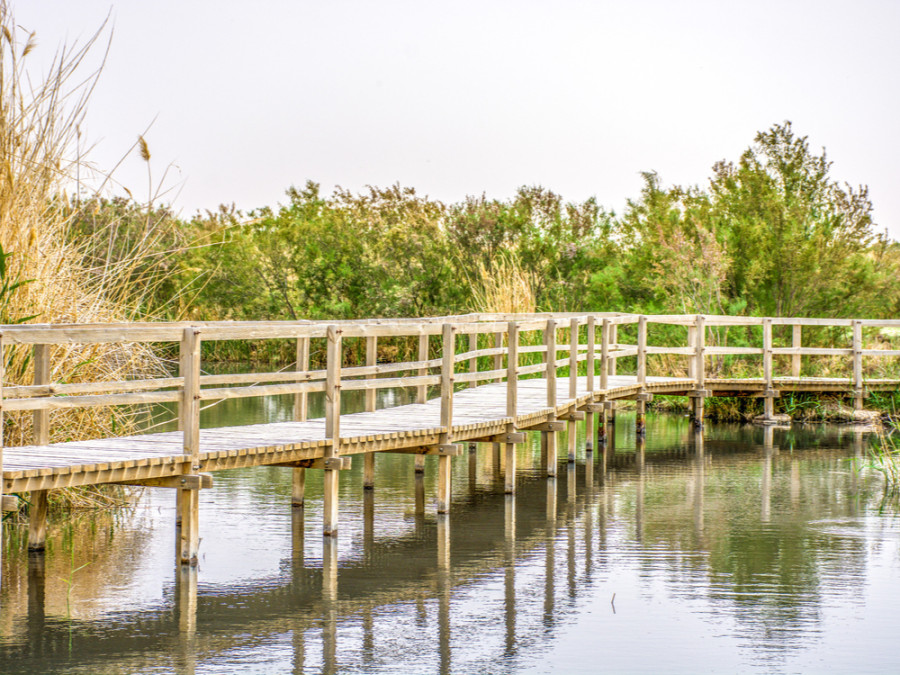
(9, 284)
(772, 234)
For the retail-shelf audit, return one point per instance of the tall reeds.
(53, 275)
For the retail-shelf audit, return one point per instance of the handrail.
(589, 338)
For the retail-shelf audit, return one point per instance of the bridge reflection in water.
(499, 582)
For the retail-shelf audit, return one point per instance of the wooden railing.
(489, 345)
(496, 348)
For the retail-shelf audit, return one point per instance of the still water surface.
(735, 552)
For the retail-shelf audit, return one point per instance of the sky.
(241, 100)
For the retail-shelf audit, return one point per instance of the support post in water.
(590, 365)
(301, 411)
(422, 395)
(512, 403)
(552, 436)
(769, 410)
(611, 370)
(603, 431)
(369, 458)
(447, 379)
(858, 393)
(334, 354)
(571, 427)
(699, 370)
(641, 403)
(37, 511)
(189, 500)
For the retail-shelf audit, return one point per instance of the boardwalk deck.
(482, 399)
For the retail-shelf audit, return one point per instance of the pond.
(740, 550)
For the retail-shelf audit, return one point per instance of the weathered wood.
(447, 380)
(371, 360)
(37, 520)
(552, 426)
(201, 481)
(334, 356)
(369, 471)
(326, 463)
(552, 436)
(699, 371)
(301, 413)
(301, 399)
(190, 402)
(512, 406)
(857, 366)
(473, 359)
(189, 532)
(422, 390)
(420, 452)
(9, 503)
(797, 344)
(298, 487)
(41, 424)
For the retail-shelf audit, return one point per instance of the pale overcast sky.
(471, 97)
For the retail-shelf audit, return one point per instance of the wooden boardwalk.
(494, 380)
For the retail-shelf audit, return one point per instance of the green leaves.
(8, 285)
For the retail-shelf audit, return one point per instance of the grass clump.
(50, 275)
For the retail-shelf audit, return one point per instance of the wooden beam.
(443, 450)
(549, 426)
(508, 437)
(326, 463)
(9, 503)
(202, 481)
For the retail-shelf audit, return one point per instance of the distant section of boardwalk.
(496, 376)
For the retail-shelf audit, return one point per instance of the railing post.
(512, 403)
(334, 354)
(369, 459)
(473, 362)
(301, 412)
(550, 344)
(692, 342)
(498, 360)
(591, 364)
(796, 343)
(612, 369)
(572, 428)
(699, 370)
(422, 394)
(37, 511)
(769, 411)
(189, 500)
(422, 390)
(641, 404)
(858, 392)
(448, 334)
(604, 379)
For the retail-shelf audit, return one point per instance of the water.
(739, 553)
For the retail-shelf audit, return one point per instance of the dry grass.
(504, 288)
(40, 162)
